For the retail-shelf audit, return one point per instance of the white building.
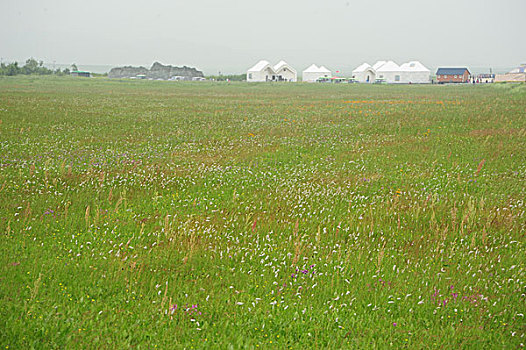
(412, 72)
(415, 72)
(516, 75)
(379, 64)
(263, 71)
(313, 73)
(364, 73)
(389, 72)
(284, 72)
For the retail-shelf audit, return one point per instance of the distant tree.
(74, 67)
(66, 71)
(12, 69)
(31, 66)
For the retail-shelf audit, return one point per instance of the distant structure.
(79, 73)
(453, 75)
(412, 72)
(517, 75)
(263, 71)
(415, 72)
(314, 73)
(485, 78)
(157, 71)
(364, 73)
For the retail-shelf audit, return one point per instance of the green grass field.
(138, 214)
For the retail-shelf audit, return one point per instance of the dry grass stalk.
(484, 236)
(479, 168)
(164, 298)
(118, 204)
(86, 216)
(97, 216)
(27, 212)
(167, 229)
(62, 167)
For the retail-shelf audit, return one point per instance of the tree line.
(32, 66)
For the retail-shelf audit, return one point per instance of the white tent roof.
(413, 66)
(389, 66)
(315, 69)
(281, 65)
(312, 69)
(362, 68)
(378, 64)
(258, 67)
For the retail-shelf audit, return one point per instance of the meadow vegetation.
(214, 215)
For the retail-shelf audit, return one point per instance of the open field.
(202, 215)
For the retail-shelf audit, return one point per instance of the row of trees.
(32, 66)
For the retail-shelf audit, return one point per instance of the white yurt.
(364, 73)
(414, 72)
(389, 72)
(284, 72)
(313, 73)
(378, 64)
(261, 71)
(326, 72)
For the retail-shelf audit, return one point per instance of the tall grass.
(214, 215)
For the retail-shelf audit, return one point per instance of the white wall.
(267, 74)
(390, 77)
(263, 75)
(311, 77)
(416, 77)
(362, 76)
(287, 74)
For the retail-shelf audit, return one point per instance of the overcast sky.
(232, 35)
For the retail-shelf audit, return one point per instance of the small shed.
(453, 75)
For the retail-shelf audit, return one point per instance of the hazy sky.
(232, 35)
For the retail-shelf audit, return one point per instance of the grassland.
(213, 215)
